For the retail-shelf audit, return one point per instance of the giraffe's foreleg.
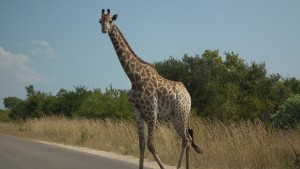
(151, 126)
(141, 135)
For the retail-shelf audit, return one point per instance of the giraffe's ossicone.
(151, 95)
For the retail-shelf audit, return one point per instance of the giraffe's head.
(106, 21)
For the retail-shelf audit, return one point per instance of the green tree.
(229, 89)
(204, 76)
(68, 102)
(293, 84)
(11, 102)
(91, 107)
(30, 90)
(16, 107)
(49, 106)
(34, 102)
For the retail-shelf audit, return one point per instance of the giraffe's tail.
(197, 149)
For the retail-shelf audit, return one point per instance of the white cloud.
(42, 48)
(16, 67)
(5, 58)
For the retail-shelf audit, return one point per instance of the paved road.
(18, 153)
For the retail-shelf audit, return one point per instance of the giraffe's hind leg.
(180, 124)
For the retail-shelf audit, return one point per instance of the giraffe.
(151, 95)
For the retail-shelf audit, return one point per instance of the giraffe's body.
(151, 95)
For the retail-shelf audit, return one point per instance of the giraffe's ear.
(115, 17)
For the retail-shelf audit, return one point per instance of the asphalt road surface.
(18, 153)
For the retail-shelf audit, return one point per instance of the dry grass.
(232, 145)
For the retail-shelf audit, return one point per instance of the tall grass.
(225, 145)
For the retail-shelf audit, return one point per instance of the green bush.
(288, 115)
(112, 103)
(4, 116)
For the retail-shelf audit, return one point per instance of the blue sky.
(59, 44)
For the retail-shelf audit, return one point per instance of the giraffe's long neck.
(134, 67)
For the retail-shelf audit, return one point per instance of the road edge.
(130, 159)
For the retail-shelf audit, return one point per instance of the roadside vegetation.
(226, 145)
(242, 116)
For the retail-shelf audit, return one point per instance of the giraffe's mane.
(135, 55)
